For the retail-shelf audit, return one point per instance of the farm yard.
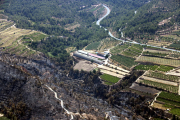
(84, 65)
(160, 61)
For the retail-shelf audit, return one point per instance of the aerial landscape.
(89, 59)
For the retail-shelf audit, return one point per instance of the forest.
(138, 17)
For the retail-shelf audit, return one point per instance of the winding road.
(133, 42)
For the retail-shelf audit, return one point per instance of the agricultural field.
(115, 70)
(107, 44)
(118, 49)
(162, 76)
(15, 40)
(109, 79)
(170, 88)
(133, 51)
(123, 60)
(93, 46)
(175, 45)
(11, 34)
(37, 36)
(162, 68)
(175, 72)
(158, 43)
(171, 101)
(147, 53)
(157, 51)
(146, 67)
(111, 73)
(144, 89)
(160, 61)
(5, 24)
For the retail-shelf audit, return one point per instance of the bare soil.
(145, 89)
(85, 65)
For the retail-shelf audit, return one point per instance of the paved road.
(133, 42)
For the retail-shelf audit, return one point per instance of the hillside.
(56, 62)
(144, 19)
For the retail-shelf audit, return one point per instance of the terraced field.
(15, 40)
(169, 101)
(133, 51)
(160, 61)
(160, 80)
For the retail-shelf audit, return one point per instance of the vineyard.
(93, 46)
(123, 60)
(160, 61)
(170, 88)
(109, 79)
(163, 76)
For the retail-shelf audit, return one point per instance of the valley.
(88, 60)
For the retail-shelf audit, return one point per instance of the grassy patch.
(36, 36)
(110, 79)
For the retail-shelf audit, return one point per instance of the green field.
(36, 36)
(133, 51)
(163, 76)
(174, 106)
(146, 67)
(109, 79)
(123, 60)
(154, 54)
(118, 49)
(93, 46)
(170, 96)
(162, 68)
